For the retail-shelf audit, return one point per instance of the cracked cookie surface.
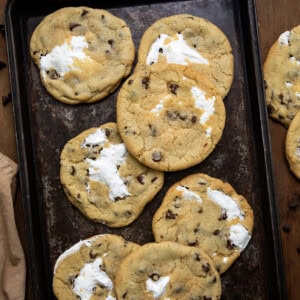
(282, 77)
(185, 39)
(105, 182)
(82, 53)
(205, 212)
(167, 270)
(170, 117)
(87, 270)
(292, 145)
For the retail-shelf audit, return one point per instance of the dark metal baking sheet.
(242, 157)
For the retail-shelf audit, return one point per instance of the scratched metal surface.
(234, 160)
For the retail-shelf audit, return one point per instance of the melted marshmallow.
(294, 60)
(91, 275)
(158, 287)
(105, 169)
(176, 50)
(189, 195)
(239, 236)
(61, 58)
(228, 204)
(160, 106)
(97, 138)
(288, 84)
(284, 38)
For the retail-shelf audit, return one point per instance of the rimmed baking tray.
(242, 157)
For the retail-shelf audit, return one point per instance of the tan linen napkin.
(12, 260)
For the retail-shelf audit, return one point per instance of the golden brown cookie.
(82, 53)
(169, 116)
(87, 270)
(282, 77)
(103, 180)
(167, 270)
(292, 145)
(188, 40)
(205, 212)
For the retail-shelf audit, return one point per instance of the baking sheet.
(44, 125)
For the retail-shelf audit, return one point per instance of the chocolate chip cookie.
(292, 145)
(82, 53)
(282, 77)
(188, 40)
(167, 270)
(87, 270)
(103, 180)
(170, 117)
(205, 212)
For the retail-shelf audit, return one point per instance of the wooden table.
(274, 17)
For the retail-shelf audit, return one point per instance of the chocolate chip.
(194, 119)
(197, 257)
(93, 255)
(287, 227)
(173, 87)
(170, 215)
(107, 132)
(145, 82)
(196, 229)
(84, 12)
(216, 232)
(6, 99)
(214, 280)
(200, 210)
(102, 17)
(206, 268)
(293, 204)
(194, 45)
(111, 42)
(156, 156)
(2, 30)
(130, 81)
(53, 74)
(154, 276)
(73, 25)
(171, 114)
(152, 130)
(2, 65)
(78, 196)
(229, 245)
(153, 179)
(87, 172)
(141, 178)
(192, 244)
(72, 279)
(223, 216)
(160, 50)
(73, 170)
(124, 295)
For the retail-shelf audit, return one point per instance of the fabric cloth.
(12, 259)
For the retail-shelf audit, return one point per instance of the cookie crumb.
(287, 227)
(2, 64)
(6, 99)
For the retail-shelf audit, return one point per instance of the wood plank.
(275, 17)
